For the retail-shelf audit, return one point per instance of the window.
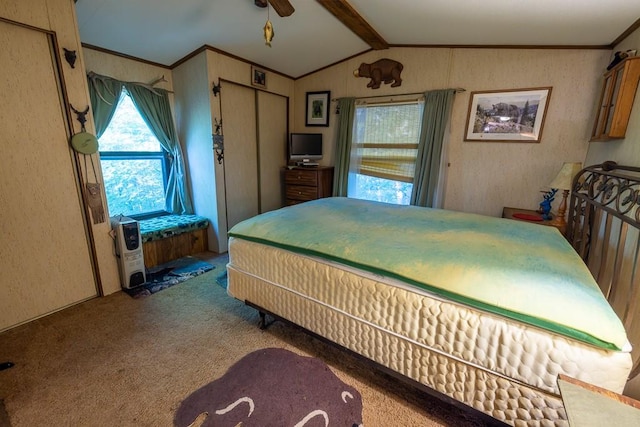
(383, 152)
(134, 165)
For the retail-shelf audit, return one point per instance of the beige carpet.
(119, 361)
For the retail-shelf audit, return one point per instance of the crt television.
(305, 149)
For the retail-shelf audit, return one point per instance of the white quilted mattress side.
(513, 403)
(474, 339)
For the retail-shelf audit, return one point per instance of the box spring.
(500, 367)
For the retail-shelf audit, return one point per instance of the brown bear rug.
(273, 387)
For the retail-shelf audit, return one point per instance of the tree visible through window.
(383, 153)
(134, 165)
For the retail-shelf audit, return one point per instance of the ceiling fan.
(282, 7)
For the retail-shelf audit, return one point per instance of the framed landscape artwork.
(318, 108)
(512, 115)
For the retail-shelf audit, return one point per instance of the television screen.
(305, 147)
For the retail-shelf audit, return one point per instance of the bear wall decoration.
(381, 71)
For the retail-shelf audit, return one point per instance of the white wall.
(126, 69)
(483, 177)
(195, 127)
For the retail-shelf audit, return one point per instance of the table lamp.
(563, 181)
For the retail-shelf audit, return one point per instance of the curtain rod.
(457, 90)
(149, 86)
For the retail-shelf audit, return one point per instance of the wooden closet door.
(238, 111)
(44, 251)
(255, 149)
(272, 148)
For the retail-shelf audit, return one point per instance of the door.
(44, 252)
(255, 144)
(238, 111)
(272, 148)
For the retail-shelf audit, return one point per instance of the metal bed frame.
(604, 228)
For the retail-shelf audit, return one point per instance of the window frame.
(162, 155)
(143, 155)
(355, 169)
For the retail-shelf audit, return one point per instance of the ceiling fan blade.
(282, 7)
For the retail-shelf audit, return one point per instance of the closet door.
(44, 251)
(238, 111)
(272, 148)
(255, 147)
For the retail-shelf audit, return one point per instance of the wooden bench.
(171, 237)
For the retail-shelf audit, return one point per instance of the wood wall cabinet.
(304, 184)
(616, 100)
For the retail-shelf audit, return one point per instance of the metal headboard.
(604, 228)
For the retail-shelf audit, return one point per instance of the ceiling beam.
(282, 7)
(342, 10)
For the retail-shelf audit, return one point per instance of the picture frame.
(258, 77)
(510, 115)
(317, 112)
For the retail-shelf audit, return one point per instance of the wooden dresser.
(307, 183)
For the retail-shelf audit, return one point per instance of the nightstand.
(510, 212)
(587, 405)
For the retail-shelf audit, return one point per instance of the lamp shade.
(564, 179)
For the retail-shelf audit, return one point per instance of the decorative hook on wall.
(70, 56)
(218, 141)
(216, 89)
(81, 115)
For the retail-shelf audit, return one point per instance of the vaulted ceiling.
(322, 32)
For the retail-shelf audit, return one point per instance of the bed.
(482, 311)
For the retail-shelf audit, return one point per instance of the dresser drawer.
(301, 192)
(305, 184)
(301, 177)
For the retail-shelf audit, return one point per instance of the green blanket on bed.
(523, 271)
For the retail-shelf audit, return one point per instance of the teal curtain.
(435, 120)
(155, 109)
(347, 108)
(105, 94)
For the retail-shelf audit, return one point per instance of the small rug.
(273, 387)
(222, 279)
(171, 273)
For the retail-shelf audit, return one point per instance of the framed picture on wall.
(511, 115)
(318, 108)
(258, 77)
